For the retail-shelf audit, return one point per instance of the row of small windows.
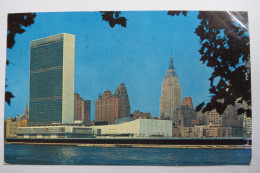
(47, 41)
(53, 62)
(41, 130)
(46, 56)
(45, 64)
(38, 94)
(53, 46)
(47, 76)
(46, 84)
(48, 110)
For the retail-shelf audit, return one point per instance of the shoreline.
(136, 145)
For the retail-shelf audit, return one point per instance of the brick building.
(111, 107)
(81, 110)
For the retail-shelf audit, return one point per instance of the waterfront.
(72, 155)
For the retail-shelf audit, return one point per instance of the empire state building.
(170, 100)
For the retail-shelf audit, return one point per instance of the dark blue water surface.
(71, 155)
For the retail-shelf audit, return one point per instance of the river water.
(72, 155)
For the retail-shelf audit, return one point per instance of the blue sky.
(137, 55)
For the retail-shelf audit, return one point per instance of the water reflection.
(69, 155)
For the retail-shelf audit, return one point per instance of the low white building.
(55, 132)
(136, 128)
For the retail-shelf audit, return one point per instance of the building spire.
(171, 72)
(171, 62)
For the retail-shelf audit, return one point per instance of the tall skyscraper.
(112, 106)
(170, 99)
(52, 80)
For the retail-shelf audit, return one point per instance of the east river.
(73, 155)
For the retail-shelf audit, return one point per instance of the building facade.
(188, 102)
(43, 132)
(136, 128)
(170, 99)
(87, 112)
(51, 97)
(247, 126)
(11, 126)
(141, 115)
(81, 110)
(214, 118)
(111, 107)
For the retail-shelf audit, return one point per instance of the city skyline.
(108, 56)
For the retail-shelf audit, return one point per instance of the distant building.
(214, 118)
(121, 93)
(231, 118)
(217, 131)
(81, 110)
(184, 116)
(111, 107)
(247, 126)
(188, 102)
(11, 127)
(24, 115)
(189, 114)
(51, 97)
(87, 112)
(177, 119)
(202, 117)
(202, 131)
(78, 109)
(170, 99)
(12, 124)
(141, 115)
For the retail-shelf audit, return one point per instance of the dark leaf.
(113, 18)
(8, 96)
(199, 107)
(16, 24)
(240, 111)
(177, 13)
(249, 113)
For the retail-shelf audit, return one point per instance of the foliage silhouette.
(225, 48)
(16, 24)
(224, 42)
(113, 18)
(177, 13)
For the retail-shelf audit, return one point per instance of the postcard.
(151, 88)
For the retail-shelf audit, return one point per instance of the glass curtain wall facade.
(52, 80)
